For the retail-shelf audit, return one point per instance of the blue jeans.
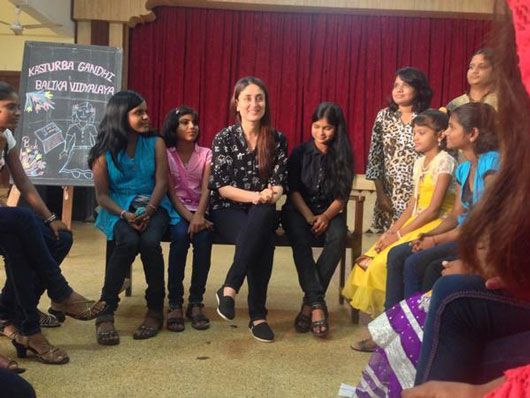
(251, 229)
(178, 252)
(314, 276)
(409, 273)
(128, 242)
(463, 318)
(28, 258)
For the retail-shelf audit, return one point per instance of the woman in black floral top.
(248, 173)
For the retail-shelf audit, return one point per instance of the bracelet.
(122, 214)
(50, 219)
(398, 234)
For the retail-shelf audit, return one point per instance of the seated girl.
(29, 263)
(432, 199)
(189, 171)
(130, 177)
(414, 268)
(320, 177)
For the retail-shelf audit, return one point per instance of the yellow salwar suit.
(365, 289)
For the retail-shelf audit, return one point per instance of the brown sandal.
(79, 307)
(47, 354)
(175, 320)
(150, 326)
(199, 321)
(8, 329)
(9, 364)
(106, 333)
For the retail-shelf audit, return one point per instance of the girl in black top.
(320, 179)
(248, 172)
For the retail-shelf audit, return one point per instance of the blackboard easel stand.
(68, 197)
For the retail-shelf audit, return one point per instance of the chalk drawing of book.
(80, 137)
(50, 136)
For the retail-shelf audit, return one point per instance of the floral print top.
(234, 164)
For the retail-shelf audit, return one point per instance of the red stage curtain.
(194, 56)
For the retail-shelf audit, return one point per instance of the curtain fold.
(194, 56)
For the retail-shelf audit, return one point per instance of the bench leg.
(354, 315)
(128, 282)
(342, 276)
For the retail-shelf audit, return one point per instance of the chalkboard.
(63, 92)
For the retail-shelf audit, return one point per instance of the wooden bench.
(353, 242)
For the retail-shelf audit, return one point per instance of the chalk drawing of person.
(80, 137)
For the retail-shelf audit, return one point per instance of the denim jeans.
(314, 277)
(251, 229)
(28, 258)
(409, 273)
(128, 243)
(178, 252)
(463, 318)
(12, 385)
(58, 248)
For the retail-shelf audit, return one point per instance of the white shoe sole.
(257, 338)
(219, 312)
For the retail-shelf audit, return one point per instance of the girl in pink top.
(189, 170)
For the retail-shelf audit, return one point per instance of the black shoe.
(261, 332)
(225, 305)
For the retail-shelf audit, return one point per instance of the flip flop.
(366, 345)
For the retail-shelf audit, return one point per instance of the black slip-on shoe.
(261, 332)
(225, 305)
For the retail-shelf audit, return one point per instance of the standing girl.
(392, 154)
(320, 177)
(189, 170)
(130, 177)
(249, 170)
(433, 198)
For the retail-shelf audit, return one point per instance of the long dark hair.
(266, 143)
(114, 129)
(500, 221)
(339, 159)
(171, 123)
(483, 117)
(416, 79)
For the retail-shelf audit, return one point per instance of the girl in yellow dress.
(433, 198)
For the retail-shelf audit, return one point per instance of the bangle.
(398, 234)
(122, 214)
(50, 219)
(151, 206)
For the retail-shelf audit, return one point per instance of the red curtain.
(194, 56)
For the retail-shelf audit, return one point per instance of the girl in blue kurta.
(130, 177)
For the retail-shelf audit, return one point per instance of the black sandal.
(320, 328)
(175, 320)
(199, 321)
(106, 333)
(302, 322)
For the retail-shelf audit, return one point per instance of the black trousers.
(314, 276)
(251, 229)
(128, 243)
